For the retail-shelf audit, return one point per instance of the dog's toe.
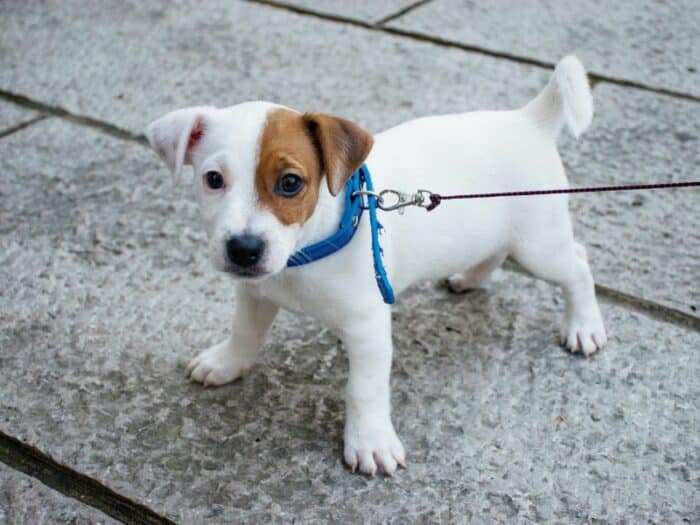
(375, 452)
(586, 338)
(386, 461)
(366, 462)
(215, 366)
(458, 284)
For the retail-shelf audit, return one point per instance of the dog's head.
(258, 170)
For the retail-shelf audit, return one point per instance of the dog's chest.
(291, 290)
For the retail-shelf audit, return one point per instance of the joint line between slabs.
(402, 12)
(33, 462)
(21, 126)
(381, 27)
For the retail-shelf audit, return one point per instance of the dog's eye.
(288, 185)
(214, 180)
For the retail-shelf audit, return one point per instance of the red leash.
(436, 198)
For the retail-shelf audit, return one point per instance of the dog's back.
(483, 151)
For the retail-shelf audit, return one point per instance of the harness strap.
(349, 222)
(377, 253)
(346, 231)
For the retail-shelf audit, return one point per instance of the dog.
(270, 180)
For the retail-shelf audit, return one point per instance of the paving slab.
(362, 10)
(647, 249)
(642, 243)
(12, 115)
(107, 294)
(164, 55)
(644, 41)
(25, 501)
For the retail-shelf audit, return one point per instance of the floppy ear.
(343, 146)
(176, 134)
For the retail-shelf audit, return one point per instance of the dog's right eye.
(288, 185)
(214, 180)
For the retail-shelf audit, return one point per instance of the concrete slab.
(401, 84)
(12, 115)
(364, 10)
(163, 55)
(25, 501)
(643, 243)
(106, 295)
(653, 43)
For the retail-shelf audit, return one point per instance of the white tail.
(566, 98)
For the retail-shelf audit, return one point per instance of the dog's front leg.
(226, 361)
(370, 439)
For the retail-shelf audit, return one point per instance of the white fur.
(567, 98)
(469, 152)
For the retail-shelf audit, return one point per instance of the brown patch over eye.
(287, 149)
(304, 147)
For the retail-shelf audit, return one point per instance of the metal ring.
(368, 193)
(425, 198)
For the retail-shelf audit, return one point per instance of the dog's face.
(258, 170)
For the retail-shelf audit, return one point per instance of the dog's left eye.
(288, 185)
(214, 180)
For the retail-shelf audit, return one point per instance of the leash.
(360, 196)
(429, 200)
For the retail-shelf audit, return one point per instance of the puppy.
(270, 180)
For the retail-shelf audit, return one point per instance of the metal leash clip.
(391, 200)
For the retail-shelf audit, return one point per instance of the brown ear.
(342, 146)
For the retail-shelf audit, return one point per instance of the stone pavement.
(105, 290)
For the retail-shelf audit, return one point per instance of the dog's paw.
(462, 282)
(585, 336)
(372, 449)
(217, 365)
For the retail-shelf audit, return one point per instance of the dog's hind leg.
(474, 277)
(555, 256)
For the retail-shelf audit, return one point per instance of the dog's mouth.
(248, 274)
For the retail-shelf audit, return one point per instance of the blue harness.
(354, 206)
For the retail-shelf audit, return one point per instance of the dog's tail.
(566, 99)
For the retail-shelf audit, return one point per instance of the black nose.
(244, 250)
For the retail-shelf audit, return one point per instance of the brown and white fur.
(246, 158)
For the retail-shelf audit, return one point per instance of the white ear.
(176, 134)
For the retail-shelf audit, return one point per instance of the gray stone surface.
(364, 10)
(12, 115)
(218, 52)
(655, 43)
(25, 501)
(649, 249)
(643, 243)
(106, 294)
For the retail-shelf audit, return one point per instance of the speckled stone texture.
(222, 53)
(107, 293)
(646, 41)
(364, 10)
(12, 115)
(25, 501)
(642, 243)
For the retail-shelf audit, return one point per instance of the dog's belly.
(437, 246)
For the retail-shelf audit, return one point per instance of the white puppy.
(270, 180)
